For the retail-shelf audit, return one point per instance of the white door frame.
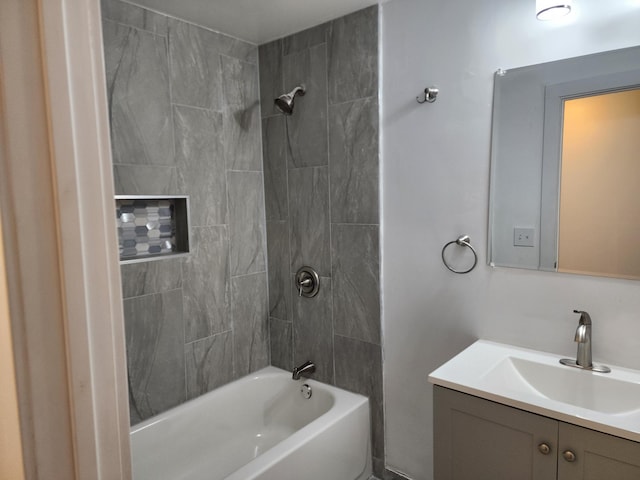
(57, 209)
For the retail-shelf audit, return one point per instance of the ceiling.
(256, 21)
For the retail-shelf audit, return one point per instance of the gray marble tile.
(305, 39)
(236, 48)
(205, 283)
(307, 127)
(356, 279)
(201, 164)
(145, 180)
(136, 67)
(240, 82)
(353, 161)
(353, 56)
(250, 323)
(309, 217)
(359, 369)
(145, 278)
(281, 335)
(278, 256)
(134, 16)
(246, 222)
(209, 363)
(275, 168)
(242, 127)
(271, 79)
(194, 57)
(155, 353)
(313, 331)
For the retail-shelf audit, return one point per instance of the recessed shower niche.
(152, 227)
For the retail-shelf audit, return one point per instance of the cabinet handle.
(569, 456)
(544, 449)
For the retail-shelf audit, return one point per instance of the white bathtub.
(258, 427)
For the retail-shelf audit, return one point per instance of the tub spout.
(307, 368)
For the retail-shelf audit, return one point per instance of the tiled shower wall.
(321, 193)
(184, 113)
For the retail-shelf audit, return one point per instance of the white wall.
(435, 187)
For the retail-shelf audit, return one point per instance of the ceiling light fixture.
(552, 9)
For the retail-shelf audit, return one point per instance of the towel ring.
(463, 241)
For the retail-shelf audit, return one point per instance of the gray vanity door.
(475, 439)
(598, 456)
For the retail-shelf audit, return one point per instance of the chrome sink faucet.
(307, 368)
(583, 338)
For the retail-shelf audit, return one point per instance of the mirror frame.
(526, 145)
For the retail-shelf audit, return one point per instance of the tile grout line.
(330, 203)
(134, 27)
(216, 334)
(167, 43)
(152, 293)
(190, 23)
(354, 100)
(196, 107)
(288, 285)
(265, 242)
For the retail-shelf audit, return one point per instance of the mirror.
(565, 167)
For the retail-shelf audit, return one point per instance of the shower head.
(285, 102)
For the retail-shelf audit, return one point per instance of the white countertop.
(536, 382)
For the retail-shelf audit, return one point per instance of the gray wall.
(184, 113)
(192, 127)
(321, 193)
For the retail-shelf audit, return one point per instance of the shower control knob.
(307, 282)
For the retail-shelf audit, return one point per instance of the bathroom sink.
(567, 385)
(537, 382)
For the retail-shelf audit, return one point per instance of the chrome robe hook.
(430, 94)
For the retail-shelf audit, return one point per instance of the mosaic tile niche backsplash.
(148, 227)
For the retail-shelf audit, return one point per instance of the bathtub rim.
(340, 395)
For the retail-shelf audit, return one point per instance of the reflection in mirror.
(564, 166)
(599, 216)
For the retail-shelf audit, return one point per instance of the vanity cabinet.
(598, 456)
(476, 439)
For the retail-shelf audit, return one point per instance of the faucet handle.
(585, 318)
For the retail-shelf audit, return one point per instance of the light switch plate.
(523, 237)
